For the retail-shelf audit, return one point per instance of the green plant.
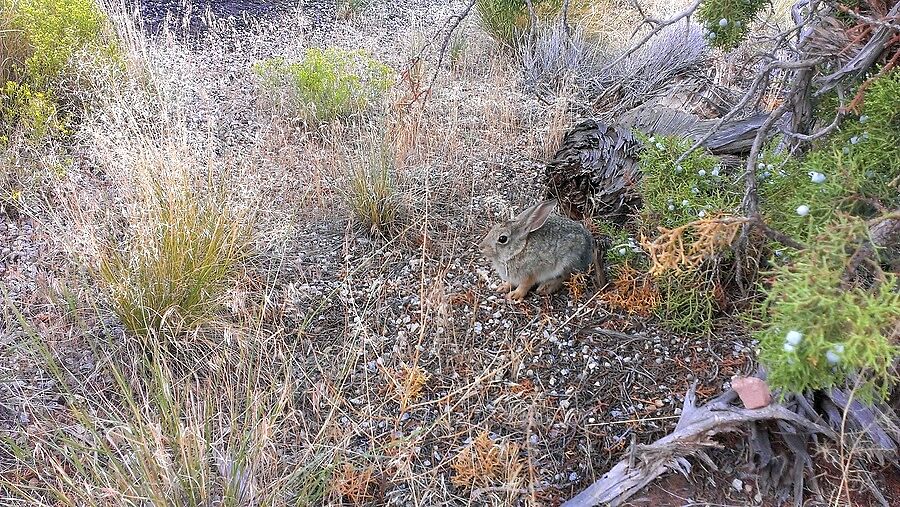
(371, 192)
(621, 247)
(33, 111)
(172, 274)
(56, 29)
(676, 194)
(327, 84)
(815, 334)
(687, 301)
(38, 39)
(727, 21)
(846, 172)
(507, 20)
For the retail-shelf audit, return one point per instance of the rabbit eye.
(502, 239)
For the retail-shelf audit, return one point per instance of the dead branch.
(884, 232)
(863, 60)
(752, 91)
(885, 21)
(456, 20)
(693, 433)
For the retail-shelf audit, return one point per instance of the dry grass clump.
(164, 433)
(408, 384)
(485, 463)
(355, 483)
(174, 270)
(370, 190)
(684, 248)
(632, 291)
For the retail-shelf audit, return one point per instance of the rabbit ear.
(536, 216)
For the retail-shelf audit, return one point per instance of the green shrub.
(507, 20)
(845, 172)
(687, 301)
(792, 200)
(327, 84)
(173, 272)
(727, 21)
(815, 335)
(56, 29)
(676, 194)
(34, 111)
(40, 36)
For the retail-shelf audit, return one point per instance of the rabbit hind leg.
(547, 288)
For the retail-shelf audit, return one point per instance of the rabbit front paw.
(519, 294)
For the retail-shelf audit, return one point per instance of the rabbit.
(538, 247)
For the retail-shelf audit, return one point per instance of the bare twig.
(456, 21)
(532, 23)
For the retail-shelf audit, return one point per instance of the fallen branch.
(864, 59)
(456, 20)
(884, 232)
(694, 432)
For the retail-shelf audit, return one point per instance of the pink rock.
(754, 392)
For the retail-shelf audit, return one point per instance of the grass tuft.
(173, 272)
(371, 191)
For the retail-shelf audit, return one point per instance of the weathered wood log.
(694, 432)
(863, 60)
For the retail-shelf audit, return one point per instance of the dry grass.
(633, 291)
(684, 248)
